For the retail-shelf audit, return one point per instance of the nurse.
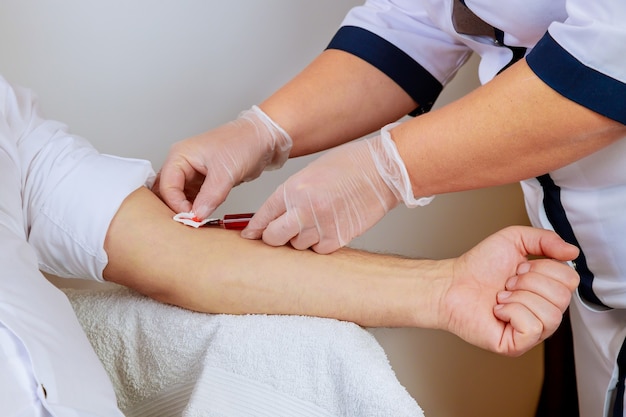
(550, 113)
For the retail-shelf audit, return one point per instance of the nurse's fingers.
(171, 187)
(306, 238)
(282, 230)
(273, 208)
(210, 195)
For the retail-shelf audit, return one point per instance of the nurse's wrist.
(278, 140)
(392, 170)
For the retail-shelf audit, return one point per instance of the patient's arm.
(215, 270)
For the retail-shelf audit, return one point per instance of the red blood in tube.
(236, 221)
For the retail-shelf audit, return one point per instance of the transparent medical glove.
(200, 171)
(336, 198)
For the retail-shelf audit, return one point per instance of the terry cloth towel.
(165, 361)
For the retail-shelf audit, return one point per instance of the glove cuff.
(392, 169)
(281, 141)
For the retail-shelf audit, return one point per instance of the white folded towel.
(166, 361)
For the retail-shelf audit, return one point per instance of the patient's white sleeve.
(48, 367)
(70, 191)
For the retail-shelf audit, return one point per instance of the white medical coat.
(577, 47)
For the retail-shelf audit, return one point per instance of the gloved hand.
(336, 198)
(204, 168)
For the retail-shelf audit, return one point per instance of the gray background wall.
(135, 76)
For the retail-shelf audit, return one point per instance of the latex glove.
(502, 301)
(336, 198)
(204, 168)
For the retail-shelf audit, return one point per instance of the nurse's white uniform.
(577, 47)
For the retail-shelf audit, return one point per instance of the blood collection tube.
(232, 221)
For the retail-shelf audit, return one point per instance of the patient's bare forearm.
(215, 270)
(491, 296)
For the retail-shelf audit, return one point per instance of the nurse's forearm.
(214, 270)
(513, 128)
(337, 98)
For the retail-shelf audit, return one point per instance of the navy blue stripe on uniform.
(581, 84)
(558, 218)
(518, 51)
(398, 65)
